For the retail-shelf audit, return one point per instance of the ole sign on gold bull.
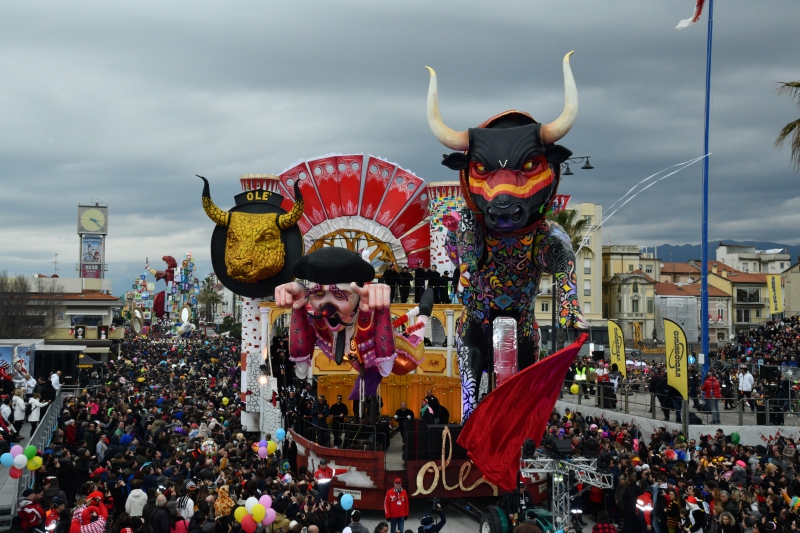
(255, 243)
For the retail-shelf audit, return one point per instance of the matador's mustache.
(330, 312)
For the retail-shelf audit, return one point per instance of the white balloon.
(20, 461)
(251, 501)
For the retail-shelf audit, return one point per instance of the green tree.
(28, 310)
(209, 297)
(573, 226)
(792, 129)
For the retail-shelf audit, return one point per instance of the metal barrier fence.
(48, 423)
(633, 398)
(351, 435)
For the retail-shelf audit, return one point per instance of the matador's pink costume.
(332, 321)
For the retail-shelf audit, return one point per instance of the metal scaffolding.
(561, 470)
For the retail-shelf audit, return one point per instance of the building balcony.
(751, 301)
(630, 315)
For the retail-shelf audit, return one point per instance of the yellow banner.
(775, 294)
(677, 366)
(616, 343)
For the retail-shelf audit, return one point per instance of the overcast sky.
(124, 102)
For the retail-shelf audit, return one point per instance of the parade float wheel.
(494, 520)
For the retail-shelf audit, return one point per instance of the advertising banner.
(616, 344)
(677, 365)
(92, 256)
(775, 294)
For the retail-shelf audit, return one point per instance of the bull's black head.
(511, 176)
(511, 169)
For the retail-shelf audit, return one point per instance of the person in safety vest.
(580, 379)
(644, 508)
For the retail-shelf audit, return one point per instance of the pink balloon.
(16, 450)
(270, 517)
(262, 452)
(266, 501)
(248, 524)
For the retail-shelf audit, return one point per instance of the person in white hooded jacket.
(137, 499)
(697, 516)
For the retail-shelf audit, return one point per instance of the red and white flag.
(698, 10)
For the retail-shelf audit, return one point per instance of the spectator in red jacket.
(644, 508)
(712, 391)
(395, 507)
(30, 511)
(324, 475)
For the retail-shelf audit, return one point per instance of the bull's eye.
(529, 165)
(479, 169)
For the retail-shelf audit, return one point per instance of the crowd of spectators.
(665, 483)
(159, 447)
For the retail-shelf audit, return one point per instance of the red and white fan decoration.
(351, 192)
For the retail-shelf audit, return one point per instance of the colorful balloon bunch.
(19, 458)
(266, 448)
(255, 511)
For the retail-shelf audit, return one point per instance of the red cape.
(515, 411)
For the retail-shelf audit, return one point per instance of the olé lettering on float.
(440, 471)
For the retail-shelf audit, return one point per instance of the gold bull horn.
(559, 127)
(455, 140)
(214, 213)
(290, 219)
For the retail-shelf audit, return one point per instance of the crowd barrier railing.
(41, 437)
(633, 398)
(350, 434)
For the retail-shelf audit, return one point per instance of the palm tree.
(209, 298)
(792, 129)
(575, 227)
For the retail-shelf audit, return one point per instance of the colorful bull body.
(253, 247)
(502, 242)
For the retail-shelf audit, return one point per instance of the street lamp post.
(566, 171)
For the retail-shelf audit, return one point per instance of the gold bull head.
(253, 247)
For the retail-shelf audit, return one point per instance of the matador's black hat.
(330, 265)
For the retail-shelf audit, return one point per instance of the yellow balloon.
(35, 463)
(225, 401)
(271, 447)
(574, 389)
(258, 512)
(240, 513)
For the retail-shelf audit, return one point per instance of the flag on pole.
(698, 10)
(677, 355)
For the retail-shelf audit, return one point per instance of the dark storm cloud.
(125, 102)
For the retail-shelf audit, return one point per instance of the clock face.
(93, 220)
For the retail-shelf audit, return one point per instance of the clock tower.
(92, 230)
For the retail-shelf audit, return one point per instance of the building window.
(650, 306)
(745, 268)
(605, 270)
(648, 269)
(619, 306)
(635, 305)
(605, 289)
(758, 313)
(635, 288)
(588, 219)
(587, 265)
(587, 307)
(587, 287)
(781, 266)
(748, 295)
(605, 310)
(743, 316)
(630, 268)
(545, 307)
